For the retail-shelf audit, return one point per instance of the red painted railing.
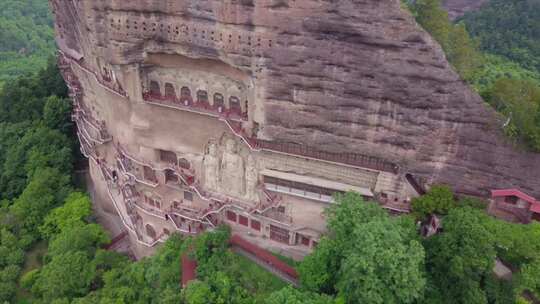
(186, 103)
(116, 239)
(65, 61)
(264, 255)
(345, 158)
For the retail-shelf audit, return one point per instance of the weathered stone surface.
(457, 8)
(341, 76)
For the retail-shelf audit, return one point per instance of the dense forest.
(27, 37)
(510, 29)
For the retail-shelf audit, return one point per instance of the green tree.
(56, 114)
(198, 292)
(319, 271)
(77, 207)
(68, 275)
(434, 19)
(290, 295)
(529, 279)
(25, 98)
(85, 239)
(460, 49)
(367, 257)
(29, 279)
(508, 28)
(47, 189)
(27, 37)
(519, 100)
(461, 257)
(40, 147)
(463, 53)
(381, 266)
(439, 200)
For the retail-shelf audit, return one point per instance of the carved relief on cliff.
(230, 168)
(125, 27)
(202, 85)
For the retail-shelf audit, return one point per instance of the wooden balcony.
(138, 170)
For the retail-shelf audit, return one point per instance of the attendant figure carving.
(211, 168)
(252, 179)
(232, 170)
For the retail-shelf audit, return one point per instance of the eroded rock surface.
(338, 76)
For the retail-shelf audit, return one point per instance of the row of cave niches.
(220, 104)
(189, 33)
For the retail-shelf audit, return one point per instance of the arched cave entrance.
(169, 90)
(150, 231)
(185, 95)
(219, 102)
(202, 97)
(170, 177)
(154, 88)
(234, 105)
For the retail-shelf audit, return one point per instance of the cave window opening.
(169, 91)
(219, 102)
(234, 105)
(170, 177)
(168, 157)
(202, 97)
(149, 174)
(185, 95)
(154, 88)
(188, 196)
(150, 231)
(184, 163)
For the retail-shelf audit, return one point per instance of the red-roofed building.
(514, 205)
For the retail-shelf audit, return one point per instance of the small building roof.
(535, 205)
(513, 192)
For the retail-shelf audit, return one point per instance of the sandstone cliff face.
(457, 8)
(339, 76)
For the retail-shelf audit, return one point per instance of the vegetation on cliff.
(500, 59)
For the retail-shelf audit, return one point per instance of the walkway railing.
(266, 259)
(186, 104)
(127, 168)
(116, 240)
(97, 133)
(106, 85)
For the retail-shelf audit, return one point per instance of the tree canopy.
(27, 37)
(510, 29)
(367, 257)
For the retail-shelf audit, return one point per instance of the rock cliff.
(339, 76)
